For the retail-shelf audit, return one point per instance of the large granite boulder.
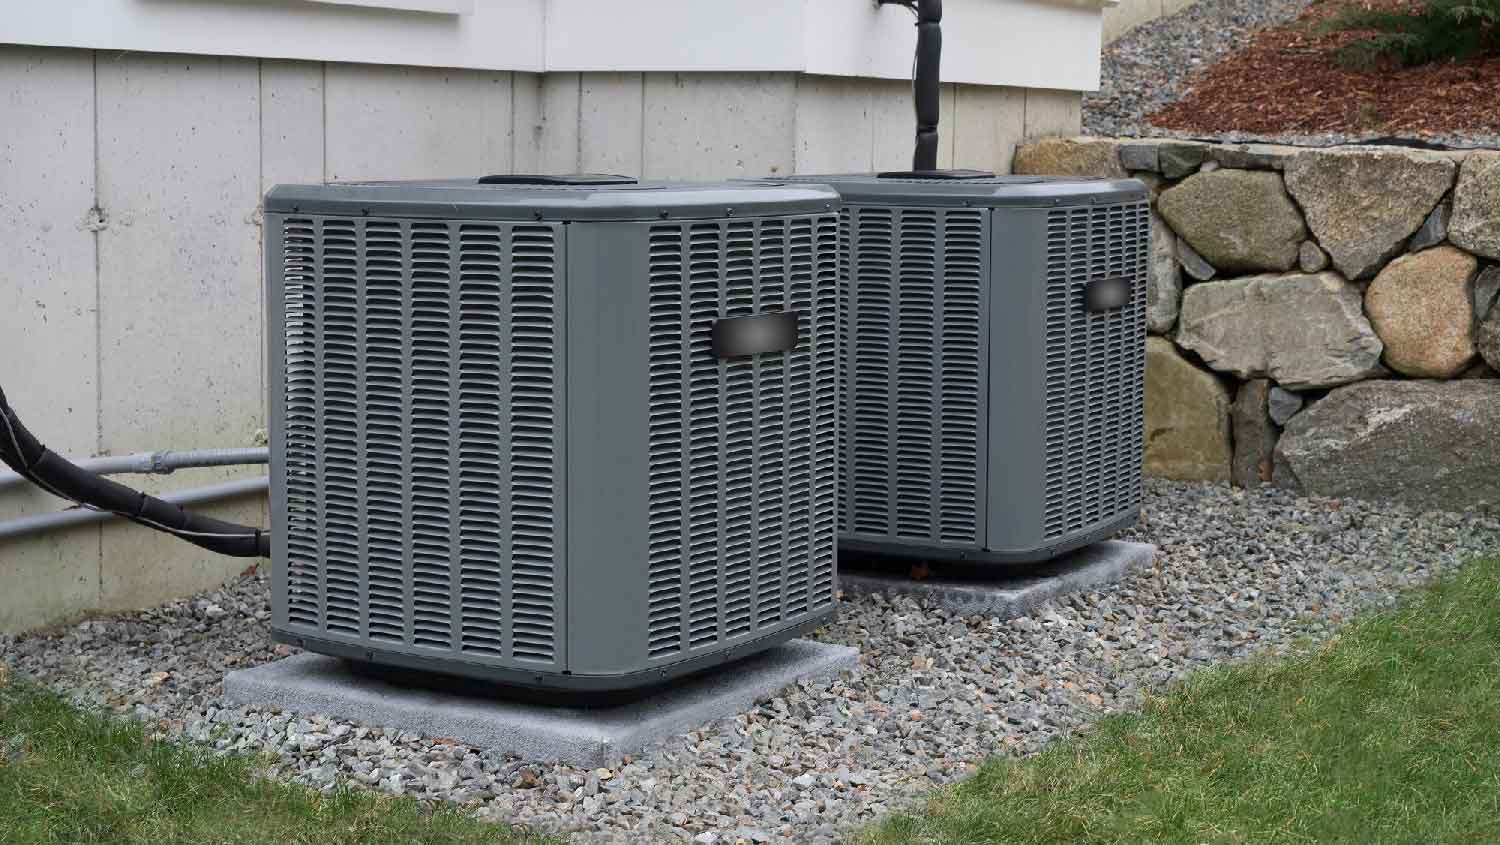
(1187, 418)
(1164, 282)
(1181, 158)
(1420, 308)
(1193, 263)
(1241, 221)
(1487, 316)
(1304, 331)
(1487, 339)
(1169, 157)
(1253, 156)
(1434, 231)
(1311, 258)
(1429, 444)
(1282, 404)
(1486, 291)
(1142, 155)
(1476, 206)
(1068, 157)
(1254, 434)
(1362, 205)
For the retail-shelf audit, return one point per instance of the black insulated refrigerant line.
(21, 451)
(927, 78)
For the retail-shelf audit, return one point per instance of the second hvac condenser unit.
(573, 432)
(993, 363)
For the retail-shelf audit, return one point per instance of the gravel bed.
(1148, 67)
(1238, 572)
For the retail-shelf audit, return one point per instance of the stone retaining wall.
(1321, 319)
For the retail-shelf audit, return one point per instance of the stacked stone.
(1322, 319)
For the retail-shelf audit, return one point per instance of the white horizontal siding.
(1021, 43)
(1024, 43)
(500, 35)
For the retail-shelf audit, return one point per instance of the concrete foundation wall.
(130, 232)
(1130, 14)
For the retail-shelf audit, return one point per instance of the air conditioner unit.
(993, 363)
(552, 432)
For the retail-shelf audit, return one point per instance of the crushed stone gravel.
(1238, 572)
(1149, 66)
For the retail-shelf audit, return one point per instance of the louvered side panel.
(738, 410)
(913, 338)
(824, 345)
(340, 435)
(421, 434)
(742, 452)
(1058, 373)
(383, 408)
(667, 528)
(918, 339)
(1095, 367)
(959, 378)
(483, 432)
(871, 346)
(845, 329)
(705, 432)
(1126, 428)
(301, 329)
(801, 279)
(1133, 362)
(772, 530)
(536, 318)
(432, 393)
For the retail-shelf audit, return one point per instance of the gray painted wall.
(130, 232)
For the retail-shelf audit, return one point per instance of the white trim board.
(500, 35)
(441, 7)
(1023, 43)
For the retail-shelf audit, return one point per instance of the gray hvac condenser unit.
(993, 363)
(559, 432)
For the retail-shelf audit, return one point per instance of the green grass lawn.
(1389, 734)
(76, 777)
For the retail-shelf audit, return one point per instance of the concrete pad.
(1012, 591)
(580, 736)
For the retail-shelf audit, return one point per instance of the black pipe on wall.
(22, 452)
(926, 85)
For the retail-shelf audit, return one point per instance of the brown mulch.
(1286, 81)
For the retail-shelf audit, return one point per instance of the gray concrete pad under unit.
(1008, 592)
(577, 735)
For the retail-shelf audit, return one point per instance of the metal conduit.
(83, 516)
(159, 463)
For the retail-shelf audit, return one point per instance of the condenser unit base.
(852, 549)
(1016, 593)
(579, 736)
(577, 687)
